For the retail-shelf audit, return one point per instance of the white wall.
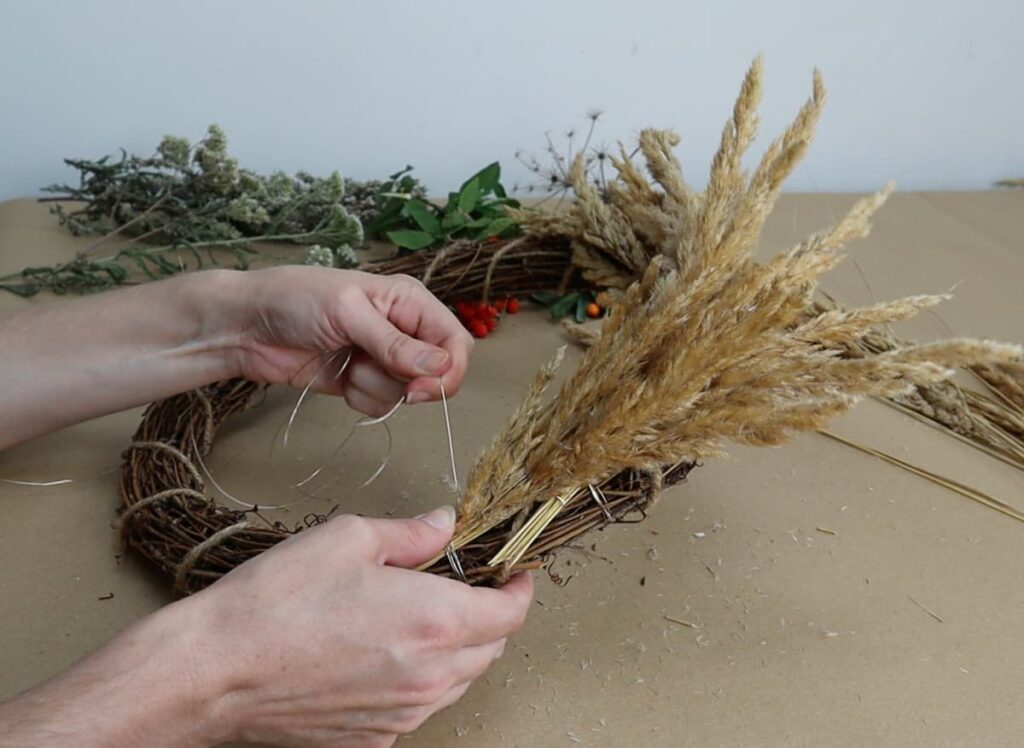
(926, 92)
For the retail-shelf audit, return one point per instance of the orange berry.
(593, 310)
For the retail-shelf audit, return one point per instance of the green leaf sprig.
(476, 211)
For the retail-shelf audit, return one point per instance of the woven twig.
(193, 540)
(473, 271)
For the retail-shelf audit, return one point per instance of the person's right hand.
(330, 639)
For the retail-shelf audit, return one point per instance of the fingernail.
(442, 518)
(417, 397)
(431, 362)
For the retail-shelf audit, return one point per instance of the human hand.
(328, 639)
(403, 338)
(324, 640)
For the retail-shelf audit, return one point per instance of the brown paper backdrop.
(798, 636)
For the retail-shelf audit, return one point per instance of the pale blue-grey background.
(926, 93)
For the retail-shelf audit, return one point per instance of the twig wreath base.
(168, 520)
(465, 270)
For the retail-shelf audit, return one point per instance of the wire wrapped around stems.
(168, 520)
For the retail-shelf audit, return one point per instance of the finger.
(424, 389)
(368, 405)
(454, 694)
(400, 355)
(416, 311)
(469, 663)
(410, 542)
(364, 374)
(492, 614)
(465, 664)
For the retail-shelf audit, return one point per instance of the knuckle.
(425, 688)
(357, 529)
(349, 294)
(394, 345)
(440, 630)
(409, 281)
(410, 719)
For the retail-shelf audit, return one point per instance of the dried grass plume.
(708, 346)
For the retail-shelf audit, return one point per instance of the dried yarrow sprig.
(708, 346)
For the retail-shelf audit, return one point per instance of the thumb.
(402, 356)
(411, 542)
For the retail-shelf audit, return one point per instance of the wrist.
(222, 304)
(183, 678)
(219, 673)
(151, 685)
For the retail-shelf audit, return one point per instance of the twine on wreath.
(185, 567)
(138, 506)
(171, 450)
(488, 279)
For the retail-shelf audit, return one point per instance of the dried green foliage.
(186, 206)
(188, 193)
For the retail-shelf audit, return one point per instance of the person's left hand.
(403, 339)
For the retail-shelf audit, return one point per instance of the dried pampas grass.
(649, 211)
(708, 346)
(992, 422)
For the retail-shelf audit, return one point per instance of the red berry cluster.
(481, 319)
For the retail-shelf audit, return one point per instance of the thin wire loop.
(600, 500)
(309, 386)
(449, 551)
(453, 560)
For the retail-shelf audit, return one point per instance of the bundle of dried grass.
(992, 423)
(708, 346)
(646, 212)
